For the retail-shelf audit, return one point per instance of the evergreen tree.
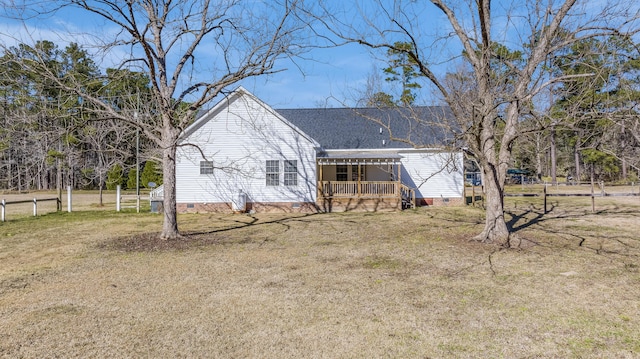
(402, 69)
(115, 177)
(151, 173)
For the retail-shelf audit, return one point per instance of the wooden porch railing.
(368, 189)
(371, 189)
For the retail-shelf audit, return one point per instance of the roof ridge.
(361, 108)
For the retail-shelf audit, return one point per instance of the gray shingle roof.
(369, 128)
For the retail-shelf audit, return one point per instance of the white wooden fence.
(127, 201)
(4, 203)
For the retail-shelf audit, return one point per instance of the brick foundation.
(439, 202)
(274, 207)
(326, 205)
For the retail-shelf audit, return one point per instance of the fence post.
(118, 198)
(69, 207)
(473, 195)
(593, 198)
(545, 199)
(35, 207)
(3, 210)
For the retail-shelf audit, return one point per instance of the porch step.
(408, 196)
(407, 204)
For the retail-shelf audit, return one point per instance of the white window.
(291, 173)
(273, 172)
(206, 167)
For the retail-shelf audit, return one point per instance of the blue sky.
(332, 74)
(333, 78)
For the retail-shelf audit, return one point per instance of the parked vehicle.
(519, 176)
(473, 179)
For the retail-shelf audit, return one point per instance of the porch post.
(320, 175)
(358, 179)
(398, 192)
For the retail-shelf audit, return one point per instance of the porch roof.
(355, 157)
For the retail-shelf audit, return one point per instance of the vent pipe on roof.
(380, 130)
(383, 142)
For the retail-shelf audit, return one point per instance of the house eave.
(341, 157)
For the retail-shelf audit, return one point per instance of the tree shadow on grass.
(151, 242)
(526, 218)
(625, 245)
(533, 216)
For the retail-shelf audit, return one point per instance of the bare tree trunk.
(59, 171)
(576, 157)
(495, 228)
(170, 223)
(494, 168)
(100, 176)
(19, 176)
(539, 151)
(553, 155)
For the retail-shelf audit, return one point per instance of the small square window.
(206, 167)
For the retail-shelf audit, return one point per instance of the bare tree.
(110, 145)
(504, 52)
(168, 40)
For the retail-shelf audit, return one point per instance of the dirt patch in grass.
(151, 242)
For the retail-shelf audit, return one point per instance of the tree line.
(52, 138)
(589, 126)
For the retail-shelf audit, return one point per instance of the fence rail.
(572, 194)
(4, 203)
(601, 192)
(127, 200)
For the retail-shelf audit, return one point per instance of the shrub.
(115, 177)
(151, 173)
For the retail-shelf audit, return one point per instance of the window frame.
(272, 173)
(342, 175)
(354, 172)
(290, 173)
(206, 168)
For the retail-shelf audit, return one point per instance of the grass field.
(94, 283)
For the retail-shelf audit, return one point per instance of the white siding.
(433, 174)
(239, 138)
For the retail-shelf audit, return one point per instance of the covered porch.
(362, 179)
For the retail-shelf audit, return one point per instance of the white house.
(244, 155)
